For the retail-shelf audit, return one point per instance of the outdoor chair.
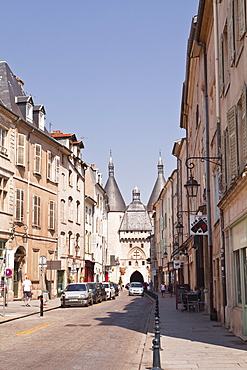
(193, 302)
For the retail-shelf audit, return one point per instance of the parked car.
(110, 290)
(96, 292)
(102, 291)
(116, 287)
(76, 294)
(127, 286)
(136, 288)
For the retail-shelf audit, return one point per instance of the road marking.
(32, 330)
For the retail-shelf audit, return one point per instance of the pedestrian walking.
(3, 290)
(151, 285)
(163, 289)
(170, 289)
(27, 291)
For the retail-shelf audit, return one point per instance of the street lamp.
(193, 185)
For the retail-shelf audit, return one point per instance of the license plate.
(73, 300)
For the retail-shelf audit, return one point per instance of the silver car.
(76, 294)
(136, 288)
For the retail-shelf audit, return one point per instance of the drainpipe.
(218, 120)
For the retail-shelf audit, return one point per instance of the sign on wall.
(198, 225)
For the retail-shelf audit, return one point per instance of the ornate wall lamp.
(191, 184)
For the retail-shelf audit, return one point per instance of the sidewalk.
(16, 309)
(192, 341)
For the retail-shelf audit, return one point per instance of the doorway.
(136, 276)
(19, 260)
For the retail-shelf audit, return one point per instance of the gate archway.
(136, 276)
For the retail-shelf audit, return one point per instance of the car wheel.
(113, 297)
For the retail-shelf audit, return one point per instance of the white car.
(110, 290)
(76, 294)
(136, 288)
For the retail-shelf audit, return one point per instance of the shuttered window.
(242, 17)
(53, 165)
(244, 123)
(49, 165)
(51, 215)
(37, 158)
(20, 151)
(36, 211)
(231, 43)
(232, 131)
(19, 210)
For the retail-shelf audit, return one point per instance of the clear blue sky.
(111, 71)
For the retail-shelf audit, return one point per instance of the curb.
(28, 314)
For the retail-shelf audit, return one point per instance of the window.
(238, 277)
(3, 135)
(70, 243)
(37, 158)
(78, 183)
(29, 112)
(19, 210)
(62, 211)
(70, 209)
(2, 249)
(70, 178)
(90, 216)
(35, 264)
(36, 211)
(86, 215)
(78, 212)
(51, 215)
(129, 263)
(62, 239)
(3, 194)
(53, 164)
(20, 155)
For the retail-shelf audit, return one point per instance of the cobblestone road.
(110, 335)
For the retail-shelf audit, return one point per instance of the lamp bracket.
(215, 160)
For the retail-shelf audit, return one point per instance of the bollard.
(157, 332)
(41, 306)
(63, 300)
(156, 355)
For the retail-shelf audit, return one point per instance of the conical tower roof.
(158, 186)
(115, 199)
(136, 217)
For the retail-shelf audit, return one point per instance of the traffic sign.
(8, 272)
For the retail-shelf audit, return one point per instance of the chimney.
(20, 82)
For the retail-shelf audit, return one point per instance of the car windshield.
(76, 287)
(136, 285)
(106, 285)
(91, 285)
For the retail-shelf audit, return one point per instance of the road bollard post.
(156, 355)
(41, 305)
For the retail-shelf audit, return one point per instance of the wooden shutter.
(20, 160)
(221, 64)
(244, 123)
(230, 31)
(232, 131)
(242, 17)
(36, 210)
(37, 158)
(57, 169)
(51, 216)
(49, 165)
(223, 185)
(19, 213)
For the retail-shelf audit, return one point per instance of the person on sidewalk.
(3, 290)
(170, 289)
(27, 291)
(163, 289)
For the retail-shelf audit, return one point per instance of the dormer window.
(41, 120)
(29, 112)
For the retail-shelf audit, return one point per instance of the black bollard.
(41, 306)
(156, 355)
(63, 300)
(157, 332)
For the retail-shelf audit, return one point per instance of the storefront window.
(245, 272)
(238, 280)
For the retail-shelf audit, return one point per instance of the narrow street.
(97, 337)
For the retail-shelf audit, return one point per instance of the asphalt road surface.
(109, 335)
